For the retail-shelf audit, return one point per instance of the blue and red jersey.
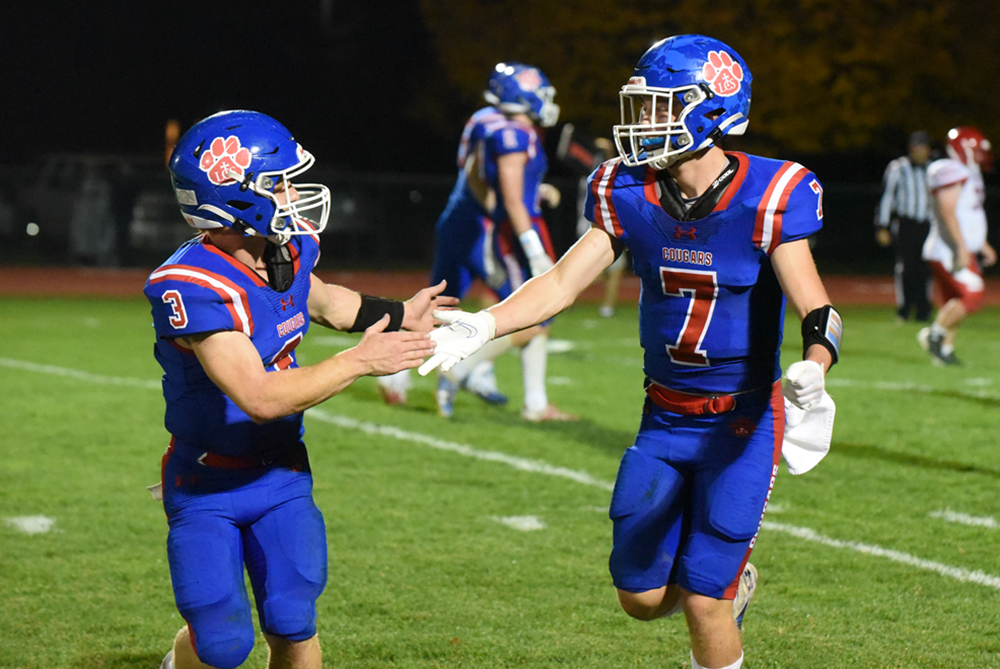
(711, 310)
(200, 289)
(509, 136)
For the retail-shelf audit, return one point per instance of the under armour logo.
(287, 302)
(681, 233)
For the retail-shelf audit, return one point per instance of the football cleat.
(393, 387)
(488, 395)
(484, 386)
(934, 345)
(392, 396)
(748, 583)
(445, 396)
(549, 413)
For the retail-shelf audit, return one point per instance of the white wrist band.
(531, 243)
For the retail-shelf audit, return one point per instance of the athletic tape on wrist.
(531, 243)
(823, 326)
(373, 309)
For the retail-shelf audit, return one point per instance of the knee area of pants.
(291, 619)
(225, 651)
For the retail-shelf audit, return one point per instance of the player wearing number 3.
(719, 241)
(229, 309)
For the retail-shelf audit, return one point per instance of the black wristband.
(823, 326)
(373, 309)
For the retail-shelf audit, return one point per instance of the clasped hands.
(462, 335)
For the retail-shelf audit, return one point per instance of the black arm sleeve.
(823, 326)
(373, 309)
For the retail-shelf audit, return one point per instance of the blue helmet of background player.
(685, 94)
(515, 88)
(227, 169)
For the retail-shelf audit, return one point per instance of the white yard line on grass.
(965, 519)
(911, 387)
(539, 467)
(956, 573)
(523, 464)
(77, 374)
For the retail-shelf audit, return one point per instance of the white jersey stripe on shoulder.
(777, 194)
(604, 189)
(235, 298)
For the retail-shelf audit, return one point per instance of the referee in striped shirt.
(903, 220)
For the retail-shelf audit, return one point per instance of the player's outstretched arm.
(545, 296)
(537, 300)
(234, 365)
(340, 308)
(332, 306)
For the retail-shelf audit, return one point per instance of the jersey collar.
(661, 190)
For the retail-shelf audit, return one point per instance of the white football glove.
(464, 335)
(804, 383)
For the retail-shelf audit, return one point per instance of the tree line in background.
(829, 75)
(386, 87)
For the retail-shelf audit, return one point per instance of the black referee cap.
(920, 138)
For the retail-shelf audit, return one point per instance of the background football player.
(503, 175)
(958, 238)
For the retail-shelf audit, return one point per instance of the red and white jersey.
(969, 209)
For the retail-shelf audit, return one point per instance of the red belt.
(209, 459)
(687, 404)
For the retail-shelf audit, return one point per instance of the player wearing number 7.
(719, 242)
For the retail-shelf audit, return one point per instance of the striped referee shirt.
(905, 193)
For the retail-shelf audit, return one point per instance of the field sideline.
(843, 289)
(482, 542)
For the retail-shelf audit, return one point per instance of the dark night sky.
(104, 76)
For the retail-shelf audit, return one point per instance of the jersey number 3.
(701, 288)
(178, 316)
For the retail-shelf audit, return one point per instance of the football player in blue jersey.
(229, 308)
(492, 230)
(509, 169)
(462, 254)
(719, 241)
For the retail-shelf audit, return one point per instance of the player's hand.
(989, 255)
(418, 310)
(550, 195)
(384, 352)
(883, 237)
(540, 264)
(463, 335)
(804, 383)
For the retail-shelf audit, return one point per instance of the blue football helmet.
(227, 169)
(515, 88)
(685, 94)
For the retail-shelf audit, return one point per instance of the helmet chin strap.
(280, 268)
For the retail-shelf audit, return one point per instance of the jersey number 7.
(702, 289)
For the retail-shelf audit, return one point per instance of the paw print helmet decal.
(687, 92)
(232, 170)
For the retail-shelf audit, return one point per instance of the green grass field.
(886, 555)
